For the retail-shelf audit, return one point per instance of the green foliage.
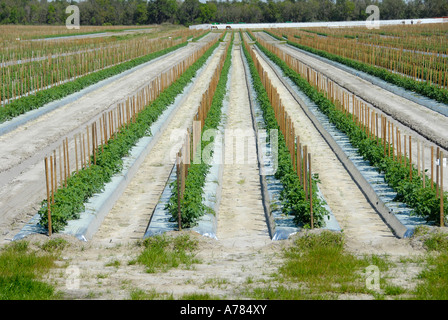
(162, 253)
(433, 280)
(316, 266)
(69, 201)
(192, 207)
(127, 12)
(35, 101)
(20, 269)
(293, 196)
(422, 200)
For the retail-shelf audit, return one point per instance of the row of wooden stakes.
(429, 67)
(58, 70)
(84, 147)
(300, 155)
(375, 124)
(192, 142)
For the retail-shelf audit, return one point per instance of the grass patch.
(434, 284)
(162, 253)
(152, 294)
(317, 267)
(320, 262)
(21, 269)
(199, 296)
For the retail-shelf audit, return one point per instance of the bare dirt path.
(22, 186)
(242, 229)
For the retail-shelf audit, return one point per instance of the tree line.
(187, 12)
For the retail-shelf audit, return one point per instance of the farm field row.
(243, 82)
(24, 148)
(33, 66)
(411, 119)
(417, 52)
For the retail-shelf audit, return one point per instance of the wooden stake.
(88, 146)
(179, 221)
(388, 137)
(418, 157)
(48, 197)
(305, 168)
(65, 163)
(393, 142)
(410, 158)
(76, 154)
(423, 166)
(68, 158)
(94, 143)
(376, 129)
(55, 170)
(432, 167)
(101, 134)
(60, 167)
(311, 191)
(298, 162)
(84, 151)
(437, 171)
(441, 189)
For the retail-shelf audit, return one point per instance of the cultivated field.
(160, 162)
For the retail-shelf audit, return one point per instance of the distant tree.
(287, 10)
(415, 9)
(325, 9)
(392, 9)
(128, 12)
(127, 17)
(51, 14)
(343, 10)
(436, 8)
(207, 12)
(189, 12)
(141, 13)
(271, 12)
(160, 11)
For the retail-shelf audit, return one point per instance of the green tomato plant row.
(70, 201)
(423, 200)
(192, 206)
(293, 196)
(39, 99)
(420, 87)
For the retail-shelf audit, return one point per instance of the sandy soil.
(22, 183)
(242, 227)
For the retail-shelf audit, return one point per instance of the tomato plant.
(69, 201)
